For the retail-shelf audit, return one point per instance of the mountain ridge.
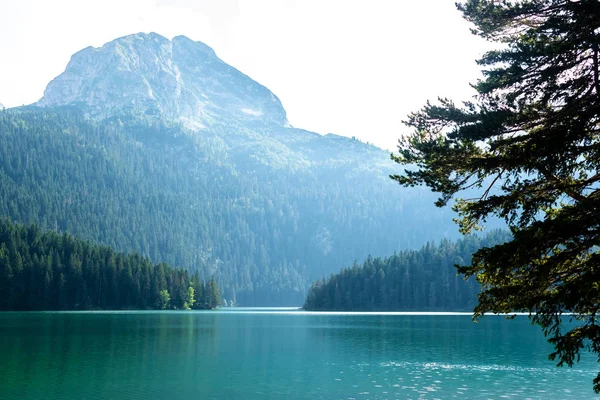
(148, 74)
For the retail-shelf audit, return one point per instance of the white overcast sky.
(350, 67)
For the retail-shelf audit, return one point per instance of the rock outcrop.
(150, 75)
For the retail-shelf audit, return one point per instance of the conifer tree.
(530, 143)
(214, 293)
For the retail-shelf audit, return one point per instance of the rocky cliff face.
(175, 79)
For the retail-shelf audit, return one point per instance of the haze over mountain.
(159, 147)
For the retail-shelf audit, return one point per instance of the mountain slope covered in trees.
(264, 219)
(226, 189)
(49, 271)
(412, 280)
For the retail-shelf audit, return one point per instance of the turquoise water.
(283, 354)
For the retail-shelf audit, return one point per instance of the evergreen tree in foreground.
(531, 142)
(48, 271)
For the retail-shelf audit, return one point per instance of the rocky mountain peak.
(148, 74)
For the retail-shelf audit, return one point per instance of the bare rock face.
(177, 79)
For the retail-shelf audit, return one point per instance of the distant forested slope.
(48, 271)
(265, 210)
(412, 280)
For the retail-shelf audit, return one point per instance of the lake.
(279, 354)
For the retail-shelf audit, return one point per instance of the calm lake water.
(248, 354)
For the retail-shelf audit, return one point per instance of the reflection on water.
(284, 353)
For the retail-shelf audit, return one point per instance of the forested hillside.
(158, 146)
(412, 280)
(48, 271)
(264, 210)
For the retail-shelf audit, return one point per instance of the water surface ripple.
(279, 354)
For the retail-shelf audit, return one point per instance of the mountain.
(147, 145)
(177, 79)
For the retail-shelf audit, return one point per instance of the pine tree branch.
(596, 74)
(571, 193)
(487, 191)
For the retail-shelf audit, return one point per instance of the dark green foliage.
(531, 142)
(422, 280)
(263, 211)
(48, 271)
